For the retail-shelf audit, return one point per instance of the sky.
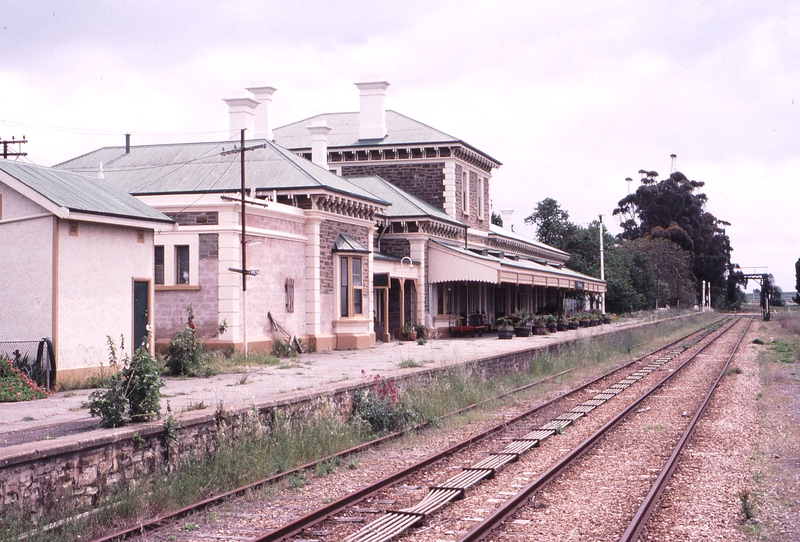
(571, 96)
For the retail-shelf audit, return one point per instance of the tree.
(796, 297)
(552, 223)
(672, 209)
(497, 220)
(672, 268)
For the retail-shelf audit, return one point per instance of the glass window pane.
(344, 301)
(357, 301)
(356, 271)
(182, 260)
(159, 263)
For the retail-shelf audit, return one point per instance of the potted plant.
(505, 329)
(606, 319)
(420, 329)
(523, 327)
(561, 324)
(410, 332)
(550, 322)
(573, 322)
(539, 326)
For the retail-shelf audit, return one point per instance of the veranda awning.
(446, 264)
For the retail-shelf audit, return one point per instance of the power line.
(90, 131)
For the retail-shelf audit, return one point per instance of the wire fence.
(33, 358)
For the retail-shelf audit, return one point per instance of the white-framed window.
(351, 288)
(176, 261)
(465, 191)
(481, 187)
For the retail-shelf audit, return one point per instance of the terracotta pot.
(411, 335)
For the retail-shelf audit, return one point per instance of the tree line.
(669, 244)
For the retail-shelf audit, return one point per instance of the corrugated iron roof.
(401, 130)
(403, 204)
(348, 243)
(200, 167)
(81, 193)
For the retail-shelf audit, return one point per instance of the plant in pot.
(410, 332)
(561, 324)
(539, 326)
(606, 319)
(420, 329)
(573, 322)
(583, 319)
(550, 322)
(505, 328)
(523, 327)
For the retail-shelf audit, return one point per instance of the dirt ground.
(776, 461)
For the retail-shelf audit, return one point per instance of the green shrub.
(282, 348)
(185, 355)
(16, 386)
(133, 395)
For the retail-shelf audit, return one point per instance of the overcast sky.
(572, 96)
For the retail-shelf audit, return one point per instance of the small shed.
(77, 265)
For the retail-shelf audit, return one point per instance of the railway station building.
(357, 224)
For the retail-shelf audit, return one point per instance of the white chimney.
(372, 115)
(263, 95)
(319, 143)
(505, 215)
(242, 115)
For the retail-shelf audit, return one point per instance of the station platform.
(66, 413)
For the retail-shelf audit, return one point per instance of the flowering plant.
(16, 386)
(378, 408)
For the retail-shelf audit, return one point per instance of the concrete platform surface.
(65, 413)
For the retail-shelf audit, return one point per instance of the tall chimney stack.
(319, 143)
(372, 115)
(242, 115)
(263, 95)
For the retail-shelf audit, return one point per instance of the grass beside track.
(258, 450)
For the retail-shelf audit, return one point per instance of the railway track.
(337, 520)
(618, 440)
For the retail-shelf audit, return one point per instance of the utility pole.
(244, 271)
(5, 143)
(602, 267)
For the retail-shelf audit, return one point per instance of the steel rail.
(401, 520)
(485, 527)
(330, 509)
(647, 507)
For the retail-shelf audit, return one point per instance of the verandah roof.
(450, 263)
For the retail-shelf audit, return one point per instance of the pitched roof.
(199, 167)
(401, 130)
(80, 193)
(403, 204)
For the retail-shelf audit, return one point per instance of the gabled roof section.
(348, 243)
(401, 130)
(200, 167)
(403, 204)
(78, 193)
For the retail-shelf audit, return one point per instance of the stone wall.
(425, 180)
(328, 231)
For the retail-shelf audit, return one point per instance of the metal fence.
(33, 358)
